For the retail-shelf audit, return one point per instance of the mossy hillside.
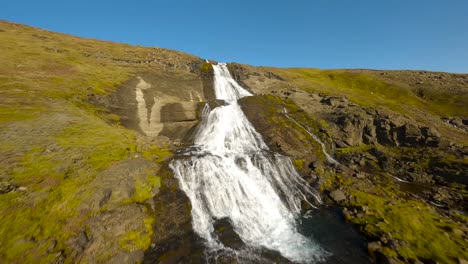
(330, 180)
(443, 164)
(437, 88)
(38, 65)
(372, 90)
(57, 182)
(367, 89)
(55, 144)
(421, 232)
(271, 109)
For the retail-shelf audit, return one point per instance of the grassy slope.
(392, 90)
(53, 144)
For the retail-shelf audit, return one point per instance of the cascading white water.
(229, 172)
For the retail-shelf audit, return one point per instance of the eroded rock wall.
(162, 104)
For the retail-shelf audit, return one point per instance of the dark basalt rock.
(174, 240)
(226, 234)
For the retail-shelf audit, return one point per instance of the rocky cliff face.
(158, 105)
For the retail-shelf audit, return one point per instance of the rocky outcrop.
(353, 125)
(174, 240)
(161, 104)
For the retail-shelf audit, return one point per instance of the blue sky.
(391, 34)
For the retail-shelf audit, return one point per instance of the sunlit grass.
(45, 74)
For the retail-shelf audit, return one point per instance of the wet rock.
(241, 163)
(337, 195)
(215, 103)
(226, 234)
(173, 239)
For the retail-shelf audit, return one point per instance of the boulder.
(456, 122)
(373, 249)
(334, 101)
(384, 132)
(410, 135)
(431, 136)
(226, 234)
(337, 195)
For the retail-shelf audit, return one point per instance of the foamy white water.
(230, 172)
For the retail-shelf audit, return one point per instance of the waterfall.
(229, 172)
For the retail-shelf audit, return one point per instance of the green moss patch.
(157, 154)
(144, 188)
(350, 150)
(423, 234)
(100, 143)
(299, 164)
(137, 239)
